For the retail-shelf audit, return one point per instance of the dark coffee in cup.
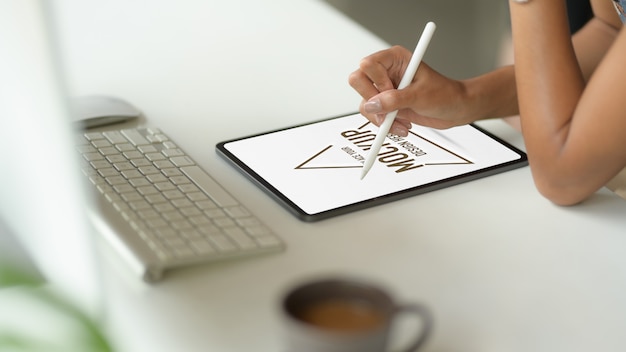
(344, 315)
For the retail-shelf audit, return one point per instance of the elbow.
(562, 183)
(561, 194)
(560, 198)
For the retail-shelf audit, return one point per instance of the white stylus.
(407, 78)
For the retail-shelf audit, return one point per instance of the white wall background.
(469, 32)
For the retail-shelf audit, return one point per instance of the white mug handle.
(427, 323)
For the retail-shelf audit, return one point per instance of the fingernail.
(399, 131)
(372, 106)
(380, 118)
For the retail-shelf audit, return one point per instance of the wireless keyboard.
(162, 210)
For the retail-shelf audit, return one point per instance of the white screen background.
(318, 166)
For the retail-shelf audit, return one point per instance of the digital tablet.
(314, 169)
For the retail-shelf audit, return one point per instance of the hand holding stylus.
(407, 78)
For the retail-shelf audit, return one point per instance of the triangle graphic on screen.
(328, 157)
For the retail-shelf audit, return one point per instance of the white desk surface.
(502, 268)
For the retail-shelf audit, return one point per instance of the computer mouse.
(99, 110)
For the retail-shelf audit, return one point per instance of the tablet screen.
(314, 169)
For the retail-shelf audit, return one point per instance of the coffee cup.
(346, 315)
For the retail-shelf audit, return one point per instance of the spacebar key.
(209, 186)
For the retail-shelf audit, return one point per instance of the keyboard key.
(140, 162)
(177, 179)
(209, 186)
(181, 161)
(172, 152)
(135, 137)
(145, 149)
(163, 164)
(222, 243)
(172, 172)
(115, 137)
(124, 147)
(155, 156)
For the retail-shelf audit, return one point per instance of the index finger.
(376, 67)
(363, 84)
(380, 71)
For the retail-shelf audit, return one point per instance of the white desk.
(501, 267)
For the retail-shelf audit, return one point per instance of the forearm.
(495, 94)
(591, 44)
(491, 95)
(552, 73)
(549, 79)
(549, 84)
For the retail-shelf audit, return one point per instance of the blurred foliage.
(91, 337)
